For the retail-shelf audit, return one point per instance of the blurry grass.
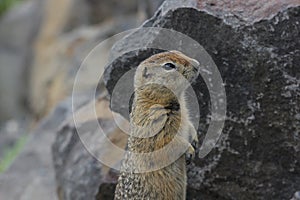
(11, 153)
(6, 4)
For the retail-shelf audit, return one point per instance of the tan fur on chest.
(168, 183)
(153, 119)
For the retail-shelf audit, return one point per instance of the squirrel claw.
(190, 154)
(195, 143)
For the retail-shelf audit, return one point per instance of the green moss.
(6, 4)
(11, 153)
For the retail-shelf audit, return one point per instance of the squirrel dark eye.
(169, 66)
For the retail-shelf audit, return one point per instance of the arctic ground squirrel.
(154, 166)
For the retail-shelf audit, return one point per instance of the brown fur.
(159, 120)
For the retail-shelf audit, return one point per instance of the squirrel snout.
(195, 64)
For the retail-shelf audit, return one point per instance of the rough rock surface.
(79, 175)
(256, 49)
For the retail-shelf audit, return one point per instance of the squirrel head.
(171, 69)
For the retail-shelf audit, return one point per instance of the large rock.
(79, 175)
(255, 46)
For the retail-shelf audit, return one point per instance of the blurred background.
(42, 44)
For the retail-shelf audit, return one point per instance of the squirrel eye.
(169, 66)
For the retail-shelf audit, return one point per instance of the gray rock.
(257, 54)
(18, 28)
(79, 175)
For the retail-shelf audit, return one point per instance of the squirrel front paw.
(190, 138)
(190, 154)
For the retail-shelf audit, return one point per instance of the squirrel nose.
(195, 63)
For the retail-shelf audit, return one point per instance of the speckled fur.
(159, 117)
